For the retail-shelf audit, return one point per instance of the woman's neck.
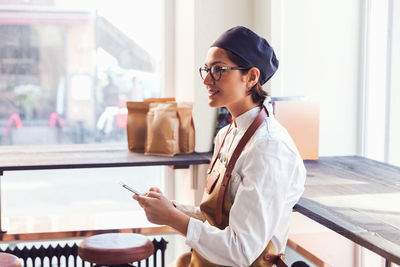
(238, 109)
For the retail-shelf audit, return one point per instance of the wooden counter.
(14, 158)
(358, 198)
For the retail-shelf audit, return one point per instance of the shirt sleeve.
(268, 171)
(189, 210)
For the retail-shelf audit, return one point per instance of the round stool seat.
(113, 249)
(9, 260)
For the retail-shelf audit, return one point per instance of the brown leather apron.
(217, 202)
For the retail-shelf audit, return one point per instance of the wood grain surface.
(358, 198)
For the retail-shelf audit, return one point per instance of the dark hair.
(257, 93)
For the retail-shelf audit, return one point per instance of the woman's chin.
(214, 104)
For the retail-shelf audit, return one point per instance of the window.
(380, 92)
(67, 71)
(380, 82)
(70, 199)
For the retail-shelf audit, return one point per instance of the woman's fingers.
(148, 199)
(155, 189)
(156, 206)
(140, 199)
(153, 194)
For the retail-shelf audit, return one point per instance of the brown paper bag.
(162, 137)
(159, 100)
(136, 125)
(186, 128)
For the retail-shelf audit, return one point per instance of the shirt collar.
(269, 106)
(244, 120)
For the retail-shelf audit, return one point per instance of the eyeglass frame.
(222, 69)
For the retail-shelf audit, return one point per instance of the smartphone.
(130, 189)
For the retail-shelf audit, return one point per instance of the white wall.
(184, 50)
(321, 52)
(394, 140)
(375, 86)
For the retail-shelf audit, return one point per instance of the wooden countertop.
(358, 198)
(14, 158)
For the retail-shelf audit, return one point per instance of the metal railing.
(67, 255)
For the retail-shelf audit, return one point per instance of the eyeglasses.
(216, 71)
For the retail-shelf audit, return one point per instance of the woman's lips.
(212, 93)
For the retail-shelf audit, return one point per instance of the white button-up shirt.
(267, 181)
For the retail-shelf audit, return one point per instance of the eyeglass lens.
(215, 72)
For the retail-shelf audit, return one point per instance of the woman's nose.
(208, 79)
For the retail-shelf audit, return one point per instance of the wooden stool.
(9, 260)
(115, 249)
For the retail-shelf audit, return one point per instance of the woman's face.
(230, 90)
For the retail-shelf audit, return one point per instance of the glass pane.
(67, 68)
(69, 200)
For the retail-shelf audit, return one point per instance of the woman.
(256, 175)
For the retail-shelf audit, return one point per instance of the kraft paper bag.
(136, 124)
(186, 128)
(162, 137)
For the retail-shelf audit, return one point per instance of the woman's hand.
(160, 210)
(157, 207)
(155, 189)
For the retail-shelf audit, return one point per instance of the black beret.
(252, 48)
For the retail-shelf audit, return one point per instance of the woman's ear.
(252, 77)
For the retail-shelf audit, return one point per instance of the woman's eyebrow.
(215, 62)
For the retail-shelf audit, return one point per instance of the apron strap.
(278, 260)
(232, 161)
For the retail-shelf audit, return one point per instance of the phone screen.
(130, 189)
